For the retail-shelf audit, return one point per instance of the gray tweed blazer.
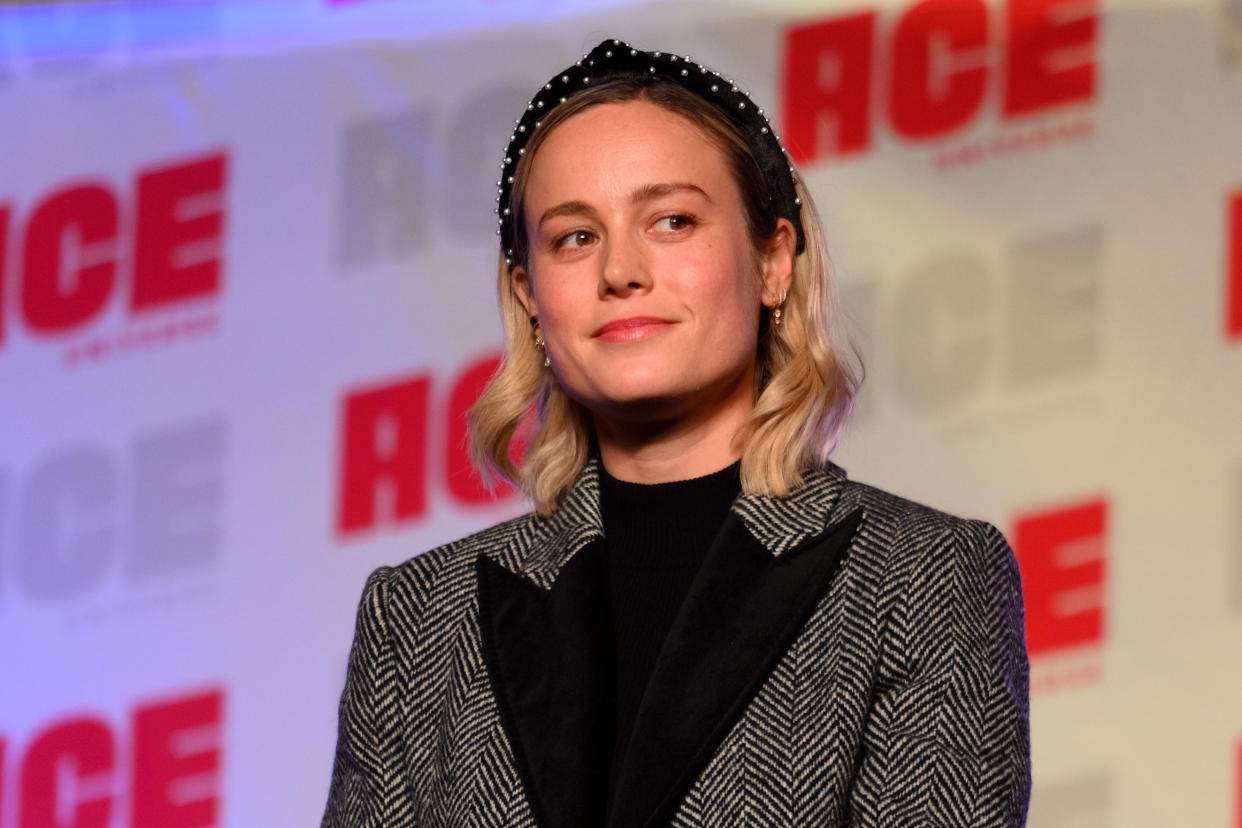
(843, 657)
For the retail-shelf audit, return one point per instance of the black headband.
(614, 59)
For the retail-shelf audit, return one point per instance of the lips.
(632, 328)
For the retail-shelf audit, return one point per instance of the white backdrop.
(246, 289)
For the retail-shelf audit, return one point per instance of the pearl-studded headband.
(613, 59)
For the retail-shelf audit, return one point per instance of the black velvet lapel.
(548, 654)
(742, 613)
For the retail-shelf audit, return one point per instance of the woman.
(703, 622)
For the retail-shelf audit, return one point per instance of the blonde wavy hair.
(808, 371)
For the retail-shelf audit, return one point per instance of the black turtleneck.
(657, 536)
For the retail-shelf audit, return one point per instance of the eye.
(675, 223)
(578, 238)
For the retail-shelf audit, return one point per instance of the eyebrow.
(647, 192)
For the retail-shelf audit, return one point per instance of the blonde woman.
(703, 621)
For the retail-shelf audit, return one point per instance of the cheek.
(730, 288)
(561, 309)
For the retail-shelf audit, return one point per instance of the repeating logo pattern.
(84, 518)
(77, 250)
(960, 324)
(387, 449)
(931, 71)
(1063, 559)
(161, 766)
(312, 228)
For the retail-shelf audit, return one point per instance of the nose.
(624, 268)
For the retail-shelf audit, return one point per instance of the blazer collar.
(546, 639)
(776, 523)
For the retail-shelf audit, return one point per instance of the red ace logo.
(929, 72)
(76, 771)
(1238, 785)
(1062, 555)
(384, 449)
(1233, 270)
(65, 257)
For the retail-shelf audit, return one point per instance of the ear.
(776, 262)
(523, 289)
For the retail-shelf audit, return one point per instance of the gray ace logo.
(413, 176)
(958, 324)
(86, 517)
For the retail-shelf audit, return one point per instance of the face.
(642, 272)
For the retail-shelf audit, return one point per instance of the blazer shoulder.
(444, 575)
(913, 536)
(907, 515)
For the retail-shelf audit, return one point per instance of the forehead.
(616, 146)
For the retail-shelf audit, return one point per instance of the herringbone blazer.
(844, 657)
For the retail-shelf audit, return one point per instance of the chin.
(635, 398)
(635, 384)
(640, 409)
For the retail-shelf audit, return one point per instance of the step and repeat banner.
(247, 295)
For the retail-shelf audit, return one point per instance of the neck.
(681, 448)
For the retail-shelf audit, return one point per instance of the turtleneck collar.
(666, 524)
